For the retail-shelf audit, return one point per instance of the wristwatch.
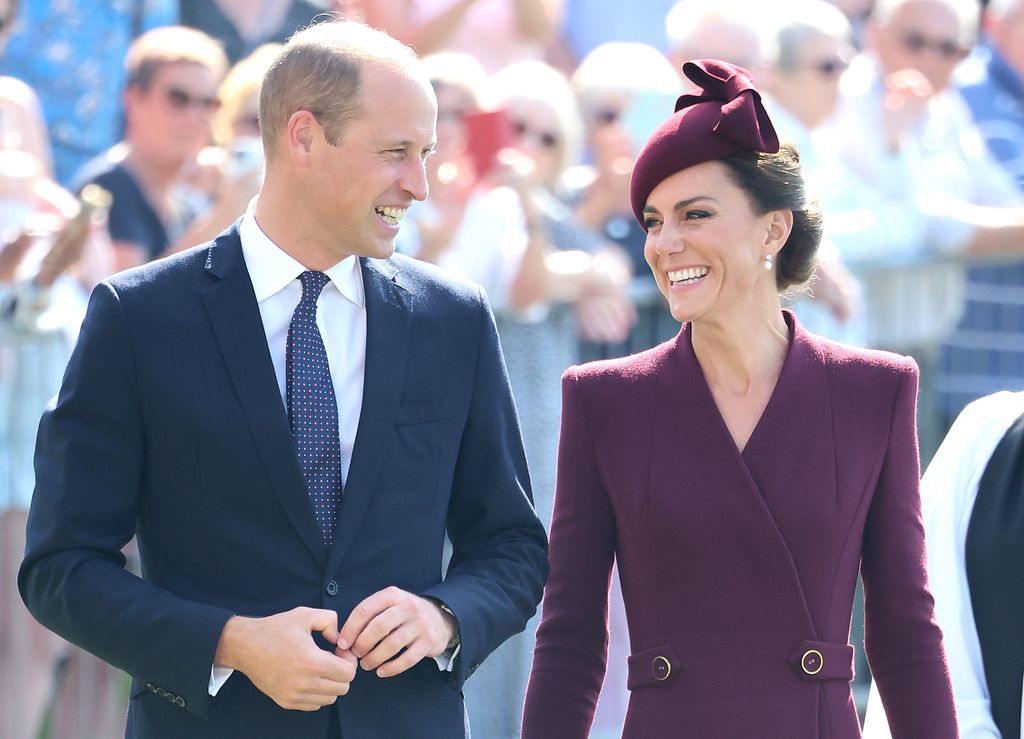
(454, 641)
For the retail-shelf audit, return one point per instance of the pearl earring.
(769, 260)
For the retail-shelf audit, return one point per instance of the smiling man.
(289, 419)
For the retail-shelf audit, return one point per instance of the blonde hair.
(244, 79)
(171, 45)
(538, 81)
(319, 70)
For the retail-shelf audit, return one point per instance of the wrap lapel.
(236, 321)
(731, 495)
(388, 323)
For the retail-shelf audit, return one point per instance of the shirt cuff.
(220, 675)
(445, 661)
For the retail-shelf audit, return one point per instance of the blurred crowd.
(129, 130)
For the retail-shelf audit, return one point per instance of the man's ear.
(300, 135)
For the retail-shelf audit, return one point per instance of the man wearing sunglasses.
(169, 99)
(902, 123)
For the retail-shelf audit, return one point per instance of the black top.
(208, 18)
(995, 575)
(132, 217)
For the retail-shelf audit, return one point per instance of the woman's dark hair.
(774, 181)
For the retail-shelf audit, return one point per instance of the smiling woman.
(738, 583)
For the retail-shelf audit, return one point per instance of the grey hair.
(968, 13)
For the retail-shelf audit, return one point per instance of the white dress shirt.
(948, 491)
(341, 319)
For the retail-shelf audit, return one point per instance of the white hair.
(687, 18)
(623, 67)
(799, 20)
(968, 13)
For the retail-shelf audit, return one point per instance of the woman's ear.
(779, 227)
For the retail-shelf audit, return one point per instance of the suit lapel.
(235, 316)
(388, 323)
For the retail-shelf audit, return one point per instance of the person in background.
(899, 111)
(495, 33)
(589, 24)
(242, 27)
(974, 526)
(857, 13)
(738, 534)
(51, 253)
(985, 352)
(510, 232)
(232, 168)
(170, 97)
(72, 55)
(716, 29)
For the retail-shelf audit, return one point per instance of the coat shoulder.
(622, 373)
(867, 367)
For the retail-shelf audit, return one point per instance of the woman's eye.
(650, 223)
(692, 215)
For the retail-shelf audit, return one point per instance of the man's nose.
(414, 180)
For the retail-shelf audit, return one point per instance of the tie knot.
(312, 284)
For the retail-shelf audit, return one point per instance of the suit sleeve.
(89, 466)
(499, 548)
(572, 643)
(902, 637)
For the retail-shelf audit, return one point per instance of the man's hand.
(391, 621)
(279, 656)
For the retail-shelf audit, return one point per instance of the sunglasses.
(181, 100)
(546, 139)
(829, 67)
(607, 116)
(915, 43)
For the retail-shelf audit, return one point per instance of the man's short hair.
(171, 45)
(803, 21)
(319, 70)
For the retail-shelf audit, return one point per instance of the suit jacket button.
(332, 588)
(661, 668)
(179, 702)
(161, 692)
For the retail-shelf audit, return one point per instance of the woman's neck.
(740, 353)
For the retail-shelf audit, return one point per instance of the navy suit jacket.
(170, 427)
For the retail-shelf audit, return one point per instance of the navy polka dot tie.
(312, 408)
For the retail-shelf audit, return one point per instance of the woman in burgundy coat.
(739, 475)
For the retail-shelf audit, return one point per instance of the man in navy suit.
(292, 576)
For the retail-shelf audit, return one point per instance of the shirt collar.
(271, 269)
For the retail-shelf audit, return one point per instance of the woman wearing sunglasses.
(739, 475)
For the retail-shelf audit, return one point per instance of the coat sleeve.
(499, 547)
(572, 643)
(902, 637)
(89, 467)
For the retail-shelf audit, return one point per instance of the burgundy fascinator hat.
(724, 117)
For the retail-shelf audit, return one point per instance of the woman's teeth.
(687, 276)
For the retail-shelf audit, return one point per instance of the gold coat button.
(661, 668)
(812, 662)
